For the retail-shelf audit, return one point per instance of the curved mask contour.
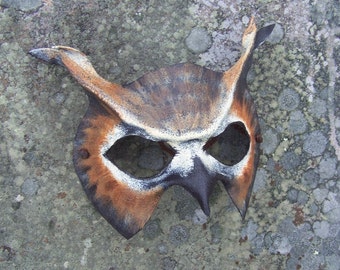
(204, 124)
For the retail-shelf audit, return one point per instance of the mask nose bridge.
(192, 173)
(185, 152)
(192, 144)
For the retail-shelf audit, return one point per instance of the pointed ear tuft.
(48, 55)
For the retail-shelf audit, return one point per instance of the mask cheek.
(237, 171)
(125, 208)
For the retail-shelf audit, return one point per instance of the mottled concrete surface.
(46, 220)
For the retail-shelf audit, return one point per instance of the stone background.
(46, 220)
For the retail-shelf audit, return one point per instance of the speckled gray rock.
(186, 204)
(297, 123)
(332, 185)
(31, 157)
(198, 40)
(292, 263)
(332, 262)
(303, 197)
(314, 209)
(199, 217)
(180, 194)
(292, 195)
(290, 161)
(331, 207)
(315, 143)
(271, 165)
(327, 168)
(257, 244)
(162, 248)
(57, 99)
(310, 178)
(260, 180)
(300, 246)
(320, 194)
(186, 209)
(178, 235)
(250, 230)
(277, 243)
(216, 231)
(331, 244)
(289, 100)
(318, 107)
(23, 5)
(270, 141)
(299, 239)
(30, 187)
(152, 229)
(168, 263)
(321, 229)
(331, 202)
(312, 261)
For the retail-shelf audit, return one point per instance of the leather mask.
(186, 109)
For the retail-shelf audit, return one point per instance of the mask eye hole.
(231, 145)
(139, 157)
